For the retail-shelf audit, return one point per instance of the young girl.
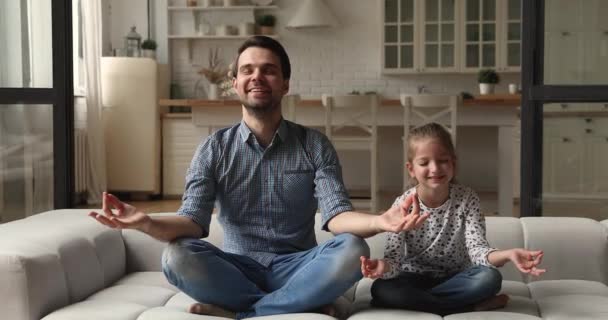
(446, 265)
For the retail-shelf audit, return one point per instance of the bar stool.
(288, 105)
(351, 124)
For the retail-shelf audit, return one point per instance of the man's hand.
(527, 261)
(125, 216)
(373, 268)
(397, 219)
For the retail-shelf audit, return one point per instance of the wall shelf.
(221, 8)
(210, 37)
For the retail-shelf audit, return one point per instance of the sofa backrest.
(53, 259)
(574, 248)
(506, 233)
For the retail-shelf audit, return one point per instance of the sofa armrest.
(32, 281)
(53, 259)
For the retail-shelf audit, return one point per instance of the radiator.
(81, 162)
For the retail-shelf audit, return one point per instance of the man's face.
(259, 80)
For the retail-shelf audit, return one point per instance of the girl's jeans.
(296, 282)
(454, 294)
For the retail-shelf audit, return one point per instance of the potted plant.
(149, 48)
(266, 23)
(487, 78)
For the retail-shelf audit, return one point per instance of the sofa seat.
(144, 296)
(63, 265)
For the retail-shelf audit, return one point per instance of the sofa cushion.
(549, 288)
(506, 233)
(575, 248)
(515, 288)
(490, 315)
(392, 314)
(567, 307)
(98, 310)
(147, 278)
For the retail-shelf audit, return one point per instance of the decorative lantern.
(132, 43)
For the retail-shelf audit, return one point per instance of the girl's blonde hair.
(433, 131)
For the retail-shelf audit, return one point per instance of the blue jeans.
(296, 282)
(443, 296)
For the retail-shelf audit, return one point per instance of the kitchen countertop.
(488, 100)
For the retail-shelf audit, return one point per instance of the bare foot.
(211, 310)
(329, 310)
(496, 302)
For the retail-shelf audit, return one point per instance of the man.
(268, 175)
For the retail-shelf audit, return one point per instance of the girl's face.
(432, 165)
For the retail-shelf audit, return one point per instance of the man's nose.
(256, 75)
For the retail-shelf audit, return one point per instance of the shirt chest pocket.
(298, 187)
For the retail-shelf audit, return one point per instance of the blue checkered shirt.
(267, 197)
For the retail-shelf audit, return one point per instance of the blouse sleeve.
(475, 233)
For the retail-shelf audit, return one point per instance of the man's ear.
(285, 86)
(234, 83)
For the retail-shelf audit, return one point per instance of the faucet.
(422, 89)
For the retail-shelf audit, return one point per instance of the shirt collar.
(282, 132)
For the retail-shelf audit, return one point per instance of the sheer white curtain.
(92, 39)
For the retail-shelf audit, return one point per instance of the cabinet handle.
(589, 130)
(564, 105)
(588, 120)
(564, 139)
(605, 105)
(565, 33)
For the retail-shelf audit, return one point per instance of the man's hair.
(266, 43)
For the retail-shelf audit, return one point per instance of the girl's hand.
(527, 261)
(373, 268)
(398, 219)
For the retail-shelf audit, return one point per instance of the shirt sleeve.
(394, 251)
(475, 232)
(329, 186)
(199, 195)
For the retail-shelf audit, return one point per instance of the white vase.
(213, 93)
(486, 88)
(147, 53)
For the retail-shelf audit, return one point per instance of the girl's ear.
(410, 169)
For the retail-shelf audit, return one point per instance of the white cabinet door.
(510, 32)
(439, 36)
(480, 35)
(399, 36)
(564, 157)
(596, 133)
(180, 140)
(564, 57)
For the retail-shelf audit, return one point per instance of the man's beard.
(260, 111)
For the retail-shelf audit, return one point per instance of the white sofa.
(62, 265)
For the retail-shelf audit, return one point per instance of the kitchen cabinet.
(430, 36)
(419, 36)
(576, 42)
(575, 154)
(492, 35)
(180, 140)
